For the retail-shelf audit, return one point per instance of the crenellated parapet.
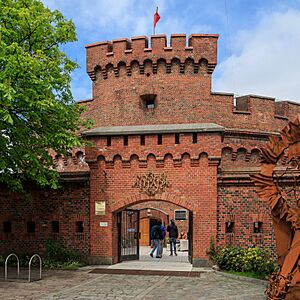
(105, 57)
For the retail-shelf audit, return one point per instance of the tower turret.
(134, 83)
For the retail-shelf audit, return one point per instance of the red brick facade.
(139, 92)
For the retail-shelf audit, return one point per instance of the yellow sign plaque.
(100, 208)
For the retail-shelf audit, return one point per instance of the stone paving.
(83, 285)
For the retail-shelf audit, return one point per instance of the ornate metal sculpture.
(151, 183)
(285, 284)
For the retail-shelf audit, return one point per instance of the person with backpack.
(173, 235)
(156, 234)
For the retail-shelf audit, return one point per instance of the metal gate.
(129, 234)
(190, 237)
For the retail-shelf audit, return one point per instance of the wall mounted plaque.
(100, 208)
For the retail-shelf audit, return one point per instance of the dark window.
(180, 215)
(142, 140)
(148, 101)
(229, 227)
(7, 226)
(108, 141)
(195, 138)
(79, 226)
(159, 139)
(55, 226)
(177, 139)
(257, 227)
(30, 227)
(125, 140)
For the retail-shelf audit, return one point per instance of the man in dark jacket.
(173, 235)
(157, 236)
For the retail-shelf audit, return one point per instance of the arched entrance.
(134, 224)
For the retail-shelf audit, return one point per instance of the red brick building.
(164, 146)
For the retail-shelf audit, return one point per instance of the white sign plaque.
(103, 224)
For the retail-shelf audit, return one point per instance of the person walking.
(173, 235)
(156, 234)
(164, 232)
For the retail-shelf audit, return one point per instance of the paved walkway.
(83, 285)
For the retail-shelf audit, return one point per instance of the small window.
(7, 227)
(79, 226)
(148, 101)
(125, 140)
(142, 140)
(195, 138)
(108, 141)
(180, 214)
(257, 227)
(177, 138)
(55, 226)
(159, 139)
(229, 227)
(30, 227)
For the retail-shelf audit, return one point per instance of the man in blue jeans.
(173, 235)
(156, 234)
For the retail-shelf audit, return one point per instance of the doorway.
(129, 234)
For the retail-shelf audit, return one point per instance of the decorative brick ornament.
(152, 184)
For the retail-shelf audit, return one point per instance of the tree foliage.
(37, 111)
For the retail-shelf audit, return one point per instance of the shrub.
(212, 251)
(57, 252)
(59, 257)
(253, 259)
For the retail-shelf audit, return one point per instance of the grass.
(247, 274)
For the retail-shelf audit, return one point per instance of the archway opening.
(134, 240)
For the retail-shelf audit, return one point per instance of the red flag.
(156, 17)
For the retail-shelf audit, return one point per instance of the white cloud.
(108, 15)
(265, 60)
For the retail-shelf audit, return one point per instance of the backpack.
(157, 233)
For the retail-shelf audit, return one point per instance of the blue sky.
(258, 48)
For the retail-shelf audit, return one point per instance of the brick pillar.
(100, 224)
(205, 215)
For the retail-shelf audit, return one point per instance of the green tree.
(37, 111)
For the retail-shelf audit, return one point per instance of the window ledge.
(242, 112)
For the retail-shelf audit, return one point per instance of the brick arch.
(121, 70)
(189, 66)
(110, 70)
(117, 157)
(135, 67)
(97, 72)
(241, 154)
(161, 66)
(185, 155)
(148, 66)
(203, 65)
(175, 65)
(138, 198)
(203, 155)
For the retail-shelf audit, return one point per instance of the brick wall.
(66, 206)
(240, 205)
